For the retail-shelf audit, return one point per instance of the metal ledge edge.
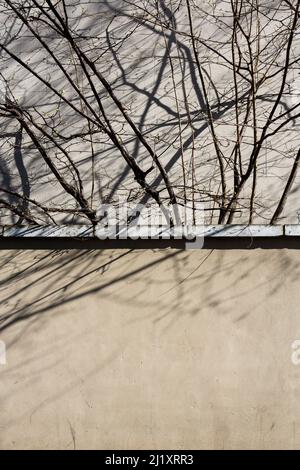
(210, 231)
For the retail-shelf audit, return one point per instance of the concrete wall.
(149, 349)
(152, 70)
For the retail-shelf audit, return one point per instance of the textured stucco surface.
(150, 349)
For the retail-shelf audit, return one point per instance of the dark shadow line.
(219, 243)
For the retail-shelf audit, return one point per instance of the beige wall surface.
(150, 349)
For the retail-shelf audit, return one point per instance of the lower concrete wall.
(150, 349)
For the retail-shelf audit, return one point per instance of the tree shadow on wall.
(34, 283)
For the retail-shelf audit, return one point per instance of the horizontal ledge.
(292, 230)
(49, 231)
(209, 231)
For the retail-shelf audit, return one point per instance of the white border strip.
(292, 230)
(210, 231)
(244, 231)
